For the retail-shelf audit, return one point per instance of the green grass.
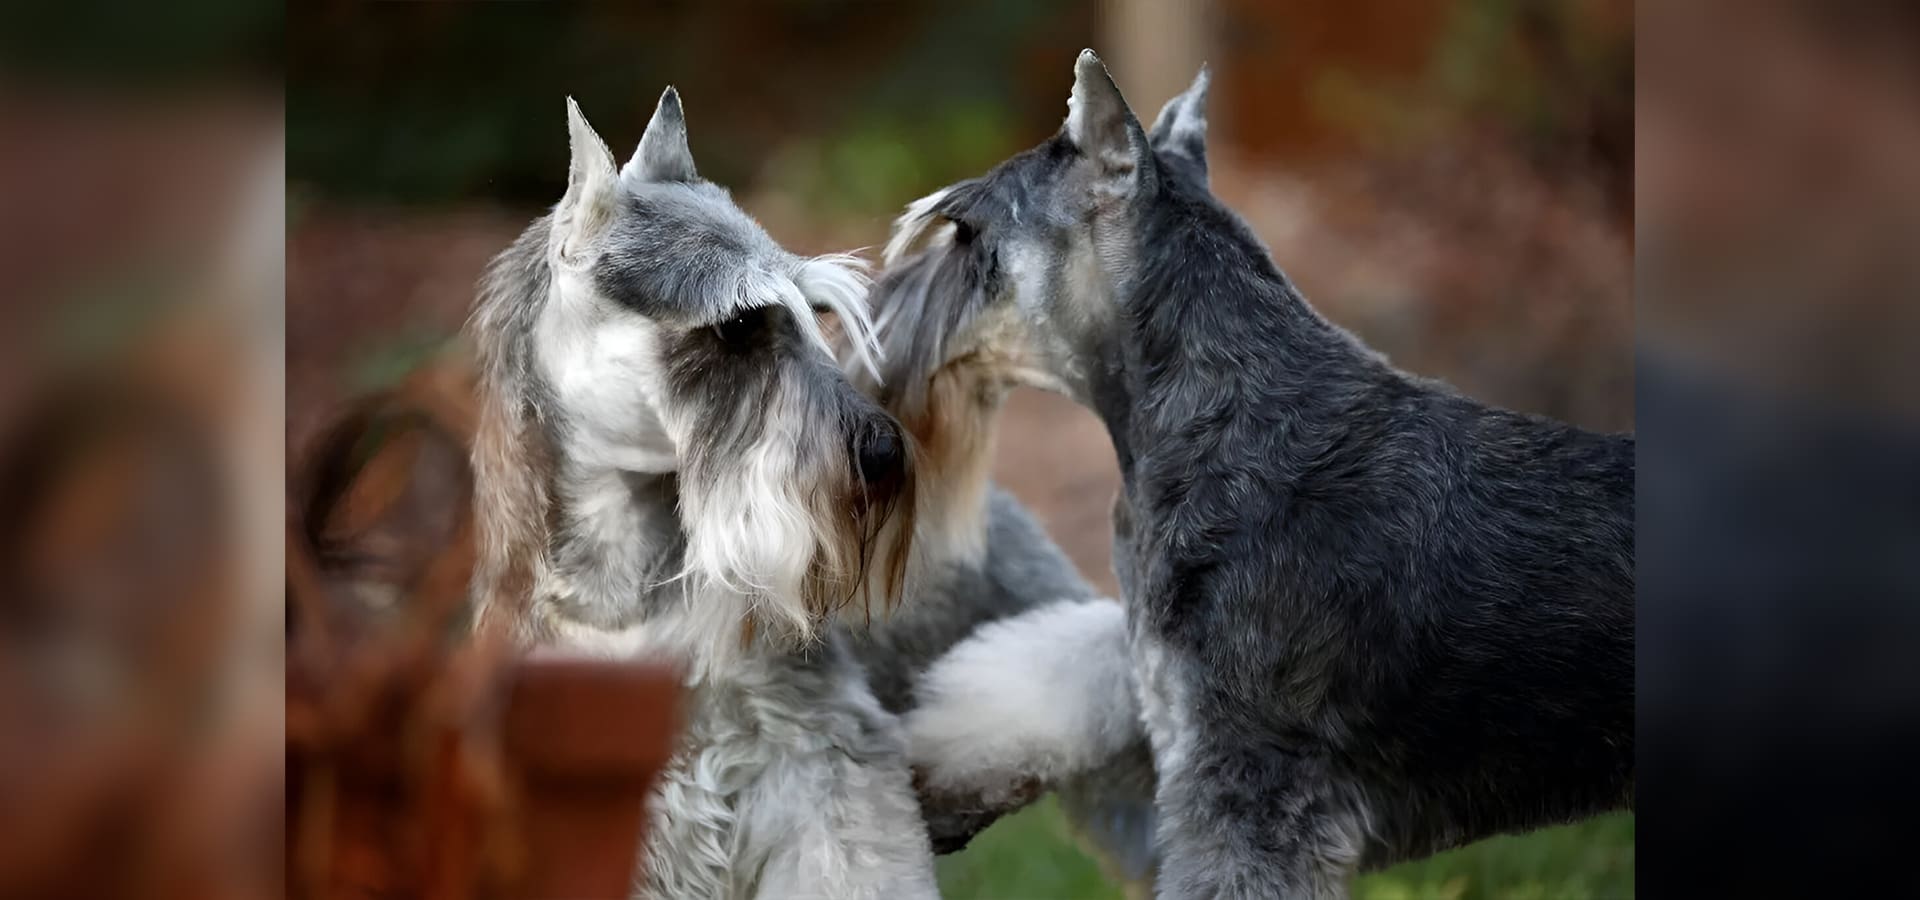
(1030, 856)
(1592, 860)
(1026, 856)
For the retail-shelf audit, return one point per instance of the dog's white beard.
(752, 540)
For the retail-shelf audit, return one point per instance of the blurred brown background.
(1451, 179)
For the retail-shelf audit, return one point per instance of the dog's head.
(1024, 267)
(649, 325)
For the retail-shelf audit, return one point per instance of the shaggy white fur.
(1046, 695)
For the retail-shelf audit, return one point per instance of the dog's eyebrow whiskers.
(839, 282)
(835, 282)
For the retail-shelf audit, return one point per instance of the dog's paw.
(1039, 697)
(954, 817)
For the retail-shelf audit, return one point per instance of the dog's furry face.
(650, 326)
(1025, 267)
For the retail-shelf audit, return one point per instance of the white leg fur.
(1044, 695)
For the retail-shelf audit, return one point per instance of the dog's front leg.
(1236, 827)
(1025, 704)
(1239, 816)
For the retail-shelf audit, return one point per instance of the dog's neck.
(1229, 340)
(616, 544)
(614, 581)
(955, 432)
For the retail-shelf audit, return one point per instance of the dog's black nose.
(881, 455)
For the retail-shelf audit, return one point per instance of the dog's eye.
(964, 233)
(735, 331)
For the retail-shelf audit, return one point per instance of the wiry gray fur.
(1370, 618)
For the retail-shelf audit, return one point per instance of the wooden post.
(1153, 47)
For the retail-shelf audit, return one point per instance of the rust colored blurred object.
(125, 769)
(422, 762)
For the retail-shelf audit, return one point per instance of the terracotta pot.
(590, 738)
(545, 799)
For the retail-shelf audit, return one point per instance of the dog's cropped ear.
(1104, 128)
(663, 153)
(1180, 132)
(585, 208)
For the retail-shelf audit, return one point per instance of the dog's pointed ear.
(1180, 132)
(590, 183)
(1104, 128)
(663, 153)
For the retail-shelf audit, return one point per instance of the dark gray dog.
(1369, 618)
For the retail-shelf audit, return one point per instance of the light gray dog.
(1368, 618)
(670, 462)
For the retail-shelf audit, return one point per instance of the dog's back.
(1530, 663)
(1490, 652)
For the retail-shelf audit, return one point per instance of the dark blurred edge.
(1779, 532)
(1779, 686)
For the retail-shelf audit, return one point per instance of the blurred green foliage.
(1032, 856)
(110, 308)
(874, 163)
(1554, 73)
(143, 45)
(384, 364)
(1552, 79)
(845, 105)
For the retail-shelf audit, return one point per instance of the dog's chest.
(768, 747)
(607, 383)
(1165, 708)
(1157, 672)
